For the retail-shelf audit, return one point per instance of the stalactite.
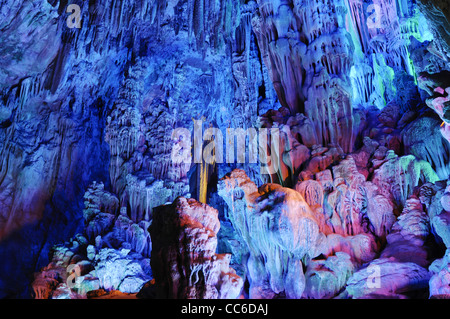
(203, 183)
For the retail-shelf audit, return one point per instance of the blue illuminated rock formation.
(348, 197)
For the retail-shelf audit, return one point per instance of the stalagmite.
(184, 240)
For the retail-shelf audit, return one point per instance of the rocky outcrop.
(424, 140)
(435, 198)
(437, 14)
(384, 278)
(111, 254)
(332, 224)
(184, 260)
(277, 224)
(402, 265)
(440, 277)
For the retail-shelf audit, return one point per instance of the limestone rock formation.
(184, 259)
(114, 116)
(341, 220)
(440, 279)
(113, 253)
(384, 278)
(405, 256)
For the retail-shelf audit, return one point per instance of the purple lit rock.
(277, 225)
(385, 278)
(440, 280)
